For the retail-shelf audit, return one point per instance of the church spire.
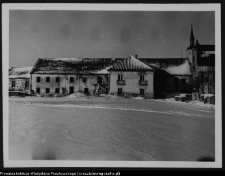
(192, 38)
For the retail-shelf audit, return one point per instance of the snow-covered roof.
(130, 64)
(73, 65)
(183, 69)
(64, 59)
(20, 72)
(174, 66)
(163, 62)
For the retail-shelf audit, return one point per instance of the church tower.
(192, 53)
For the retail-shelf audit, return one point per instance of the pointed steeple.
(192, 38)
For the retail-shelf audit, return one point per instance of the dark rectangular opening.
(142, 92)
(13, 83)
(71, 79)
(26, 84)
(142, 77)
(47, 90)
(85, 90)
(57, 79)
(71, 89)
(56, 90)
(38, 90)
(99, 80)
(120, 91)
(84, 80)
(120, 77)
(47, 79)
(38, 79)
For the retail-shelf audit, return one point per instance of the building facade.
(19, 79)
(131, 76)
(171, 75)
(202, 63)
(67, 76)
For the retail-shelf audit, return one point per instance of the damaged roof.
(73, 65)
(130, 64)
(20, 72)
(163, 62)
(175, 66)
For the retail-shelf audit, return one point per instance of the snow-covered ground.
(106, 128)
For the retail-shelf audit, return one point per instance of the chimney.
(136, 56)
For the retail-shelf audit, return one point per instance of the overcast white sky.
(37, 34)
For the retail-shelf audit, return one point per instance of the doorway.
(85, 90)
(71, 89)
(142, 92)
(120, 91)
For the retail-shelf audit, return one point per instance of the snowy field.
(114, 129)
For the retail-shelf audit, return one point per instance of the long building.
(69, 75)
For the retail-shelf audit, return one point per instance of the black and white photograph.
(112, 85)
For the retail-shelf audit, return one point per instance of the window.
(193, 58)
(56, 79)
(26, 84)
(193, 67)
(183, 81)
(99, 80)
(84, 80)
(71, 79)
(142, 77)
(38, 90)
(120, 77)
(142, 92)
(13, 83)
(47, 90)
(120, 91)
(56, 90)
(47, 79)
(38, 79)
(206, 79)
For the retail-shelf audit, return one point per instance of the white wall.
(132, 83)
(64, 82)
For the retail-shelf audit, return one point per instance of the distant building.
(19, 78)
(176, 75)
(70, 75)
(201, 58)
